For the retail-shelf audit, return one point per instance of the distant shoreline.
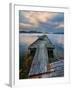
(21, 32)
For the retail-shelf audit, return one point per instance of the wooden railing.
(56, 68)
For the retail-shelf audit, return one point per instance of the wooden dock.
(42, 51)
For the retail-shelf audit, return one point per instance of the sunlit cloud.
(41, 21)
(22, 25)
(34, 18)
(61, 25)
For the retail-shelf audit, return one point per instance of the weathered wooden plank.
(40, 61)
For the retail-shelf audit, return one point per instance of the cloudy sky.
(46, 22)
